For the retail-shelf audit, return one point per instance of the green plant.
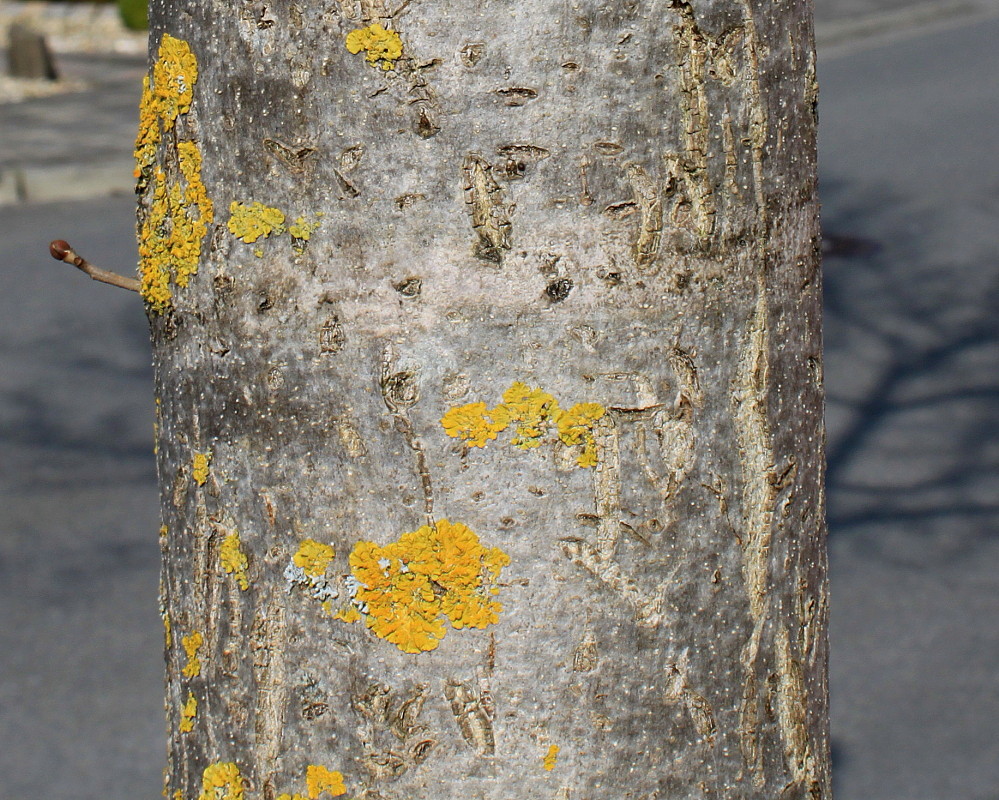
(134, 13)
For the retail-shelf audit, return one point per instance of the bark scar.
(268, 639)
(648, 198)
(382, 711)
(472, 716)
(399, 391)
(490, 216)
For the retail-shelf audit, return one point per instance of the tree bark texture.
(488, 369)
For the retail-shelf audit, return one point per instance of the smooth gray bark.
(612, 203)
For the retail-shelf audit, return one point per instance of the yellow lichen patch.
(167, 631)
(313, 557)
(198, 213)
(349, 614)
(254, 221)
(165, 96)
(164, 530)
(174, 75)
(474, 423)
(221, 781)
(178, 795)
(381, 47)
(178, 210)
(199, 467)
(155, 246)
(575, 427)
(404, 588)
(301, 231)
(188, 713)
(191, 644)
(319, 779)
(148, 137)
(178, 215)
(287, 796)
(551, 757)
(233, 559)
(533, 411)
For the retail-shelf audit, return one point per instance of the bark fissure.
(399, 391)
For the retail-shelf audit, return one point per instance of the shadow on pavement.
(910, 203)
(912, 354)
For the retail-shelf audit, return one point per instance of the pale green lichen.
(403, 590)
(307, 570)
(381, 47)
(534, 412)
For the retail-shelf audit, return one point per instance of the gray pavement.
(845, 24)
(78, 144)
(911, 199)
(832, 13)
(81, 708)
(910, 185)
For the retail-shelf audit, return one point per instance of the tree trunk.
(487, 347)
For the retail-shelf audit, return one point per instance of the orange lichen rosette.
(405, 590)
(474, 423)
(222, 781)
(319, 779)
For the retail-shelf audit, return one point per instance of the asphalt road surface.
(910, 185)
(910, 181)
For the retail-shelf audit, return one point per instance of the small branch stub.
(61, 251)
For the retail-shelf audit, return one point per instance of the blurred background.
(909, 166)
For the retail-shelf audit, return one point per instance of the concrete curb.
(54, 183)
